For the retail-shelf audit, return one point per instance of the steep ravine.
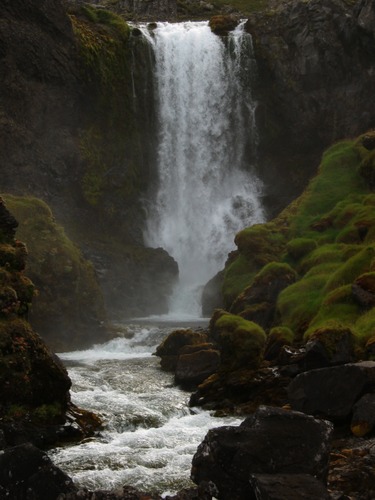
(78, 121)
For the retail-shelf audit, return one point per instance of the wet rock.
(363, 419)
(242, 391)
(193, 368)
(8, 223)
(288, 487)
(331, 392)
(212, 296)
(270, 441)
(27, 472)
(170, 349)
(222, 24)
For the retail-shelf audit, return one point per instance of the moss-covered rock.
(241, 342)
(67, 288)
(315, 264)
(258, 301)
(34, 385)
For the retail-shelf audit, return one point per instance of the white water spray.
(206, 123)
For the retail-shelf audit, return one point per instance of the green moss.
(349, 270)
(272, 272)
(299, 247)
(110, 143)
(281, 333)
(327, 237)
(365, 326)
(242, 342)
(67, 285)
(238, 275)
(328, 254)
(47, 413)
(262, 243)
(299, 303)
(258, 245)
(107, 18)
(339, 162)
(331, 335)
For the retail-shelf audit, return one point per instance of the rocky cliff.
(34, 384)
(74, 134)
(316, 72)
(77, 119)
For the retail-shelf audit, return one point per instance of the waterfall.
(206, 189)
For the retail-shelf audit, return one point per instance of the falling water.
(206, 130)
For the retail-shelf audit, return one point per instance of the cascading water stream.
(206, 130)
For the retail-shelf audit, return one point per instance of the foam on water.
(150, 433)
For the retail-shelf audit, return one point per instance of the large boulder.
(271, 441)
(194, 367)
(170, 349)
(27, 472)
(331, 392)
(241, 342)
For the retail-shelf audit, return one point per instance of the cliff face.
(34, 384)
(316, 71)
(73, 133)
(77, 120)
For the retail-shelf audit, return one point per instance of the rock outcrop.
(66, 141)
(316, 72)
(34, 385)
(272, 441)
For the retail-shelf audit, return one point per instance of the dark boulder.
(269, 442)
(363, 419)
(170, 349)
(27, 472)
(194, 368)
(288, 487)
(331, 392)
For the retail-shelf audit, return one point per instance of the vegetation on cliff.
(34, 384)
(67, 288)
(110, 142)
(326, 240)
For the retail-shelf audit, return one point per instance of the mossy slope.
(327, 238)
(33, 383)
(67, 289)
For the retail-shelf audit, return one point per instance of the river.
(150, 433)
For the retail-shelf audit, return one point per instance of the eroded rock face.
(62, 140)
(316, 71)
(269, 442)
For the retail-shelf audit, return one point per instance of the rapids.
(150, 433)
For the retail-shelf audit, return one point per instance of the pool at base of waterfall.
(150, 433)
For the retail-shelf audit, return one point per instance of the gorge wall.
(77, 121)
